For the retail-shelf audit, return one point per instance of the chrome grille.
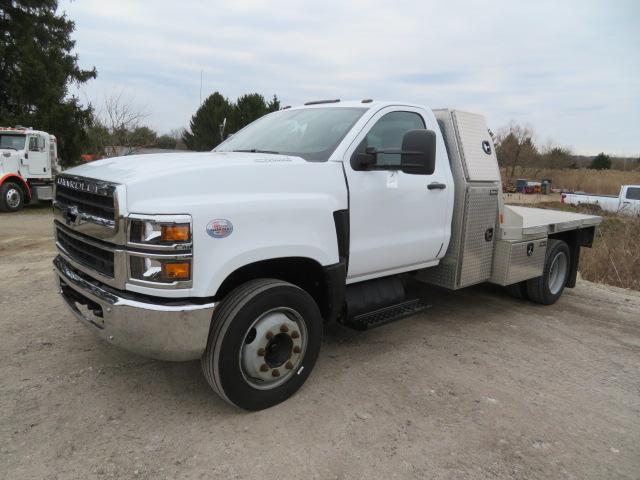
(89, 197)
(86, 253)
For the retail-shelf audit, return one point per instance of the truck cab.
(28, 163)
(330, 211)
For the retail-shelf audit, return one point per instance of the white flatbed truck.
(28, 165)
(331, 211)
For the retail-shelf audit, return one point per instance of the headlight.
(160, 250)
(164, 232)
(160, 270)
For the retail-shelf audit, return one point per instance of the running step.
(380, 316)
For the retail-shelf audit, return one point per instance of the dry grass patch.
(603, 182)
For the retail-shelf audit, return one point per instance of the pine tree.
(37, 65)
(205, 125)
(601, 162)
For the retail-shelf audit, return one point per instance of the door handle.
(436, 186)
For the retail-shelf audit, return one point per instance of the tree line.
(516, 147)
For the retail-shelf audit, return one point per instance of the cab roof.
(366, 103)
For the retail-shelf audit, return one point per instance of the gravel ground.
(480, 386)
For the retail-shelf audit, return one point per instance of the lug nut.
(297, 349)
(269, 335)
(261, 352)
(275, 373)
(295, 334)
(289, 365)
(284, 329)
(264, 367)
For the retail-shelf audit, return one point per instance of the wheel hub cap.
(13, 198)
(273, 348)
(558, 272)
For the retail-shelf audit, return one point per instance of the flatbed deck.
(526, 222)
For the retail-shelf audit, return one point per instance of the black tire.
(11, 197)
(518, 290)
(230, 327)
(539, 289)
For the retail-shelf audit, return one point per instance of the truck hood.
(132, 169)
(10, 160)
(9, 152)
(176, 182)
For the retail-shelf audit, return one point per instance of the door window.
(388, 133)
(34, 144)
(633, 193)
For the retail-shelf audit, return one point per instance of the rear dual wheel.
(547, 288)
(264, 341)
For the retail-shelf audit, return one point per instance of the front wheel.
(11, 197)
(264, 341)
(548, 288)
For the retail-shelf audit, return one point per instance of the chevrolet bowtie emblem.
(72, 216)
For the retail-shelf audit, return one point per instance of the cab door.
(38, 156)
(398, 221)
(630, 200)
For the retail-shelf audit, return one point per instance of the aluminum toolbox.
(518, 261)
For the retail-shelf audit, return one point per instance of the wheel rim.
(558, 272)
(13, 198)
(273, 348)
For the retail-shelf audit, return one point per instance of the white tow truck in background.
(626, 203)
(331, 211)
(28, 164)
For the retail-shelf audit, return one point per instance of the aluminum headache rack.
(477, 202)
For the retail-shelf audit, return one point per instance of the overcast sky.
(569, 69)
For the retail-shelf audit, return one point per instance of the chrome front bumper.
(166, 330)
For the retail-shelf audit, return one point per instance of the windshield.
(12, 141)
(311, 133)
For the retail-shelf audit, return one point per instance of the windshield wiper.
(255, 150)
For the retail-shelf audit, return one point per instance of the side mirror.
(418, 152)
(364, 160)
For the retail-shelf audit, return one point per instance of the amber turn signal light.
(175, 233)
(176, 270)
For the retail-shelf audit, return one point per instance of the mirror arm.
(397, 151)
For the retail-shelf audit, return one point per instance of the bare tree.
(119, 126)
(515, 146)
(120, 113)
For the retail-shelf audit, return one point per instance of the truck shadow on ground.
(449, 314)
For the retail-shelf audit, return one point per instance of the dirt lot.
(481, 386)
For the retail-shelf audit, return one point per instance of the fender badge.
(219, 228)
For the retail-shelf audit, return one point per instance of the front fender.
(8, 177)
(276, 227)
